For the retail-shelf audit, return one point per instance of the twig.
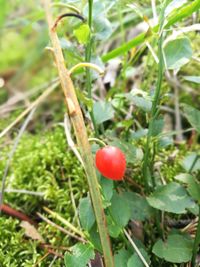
(23, 191)
(73, 202)
(82, 139)
(60, 228)
(32, 105)
(70, 140)
(65, 222)
(54, 259)
(12, 153)
(15, 213)
(136, 248)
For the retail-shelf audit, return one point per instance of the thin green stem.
(193, 163)
(88, 53)
(196, 243)
(154, 113)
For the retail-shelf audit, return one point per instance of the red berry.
(111, 162)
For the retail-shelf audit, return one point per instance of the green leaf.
(103, 111)
(86, 213)
(171, 198)
(165, 141)
(82, 33)
(113, 228)
(121, 258)
(120, 209)
(184, 177)
(188, 162)
(102, 28)
(194, 79)
(107, 188)
(194, 190)
(193, 116)
(158, 126)
(140, 209)
(135, 261)
(128, 149)
(139, 134)
(140, 101)
(176, 249)
(193, 187)
(81, 255)
(95, 239)
(177, 53)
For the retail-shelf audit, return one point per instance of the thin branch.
(23, 128)
(136, 248)
(60, 228)
(65, 222)
(70, 140)
(32, 105)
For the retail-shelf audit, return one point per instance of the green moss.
(44, 163)
(17, 250)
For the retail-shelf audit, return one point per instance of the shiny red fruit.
(111, 162)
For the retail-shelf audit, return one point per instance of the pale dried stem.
(82, 138)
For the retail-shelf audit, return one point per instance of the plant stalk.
(196, 243)
(154, 109)
(81, 137)
(88, 53)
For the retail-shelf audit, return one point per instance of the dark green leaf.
(86, 213)
(177, 249)
(140, 209)
(102, 28)
(81, 255)
(120, 209)
(113, 228)
(121, 258)
(95, 239)
(140, 101)
(177, 53)
(189, 161)
(135, 261)
(193, 116)
(193, 187)
(171, 198)
(158, 126)
(139, 134)
(107, 188)
(103, 111)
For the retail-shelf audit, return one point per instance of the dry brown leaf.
(31, 231)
